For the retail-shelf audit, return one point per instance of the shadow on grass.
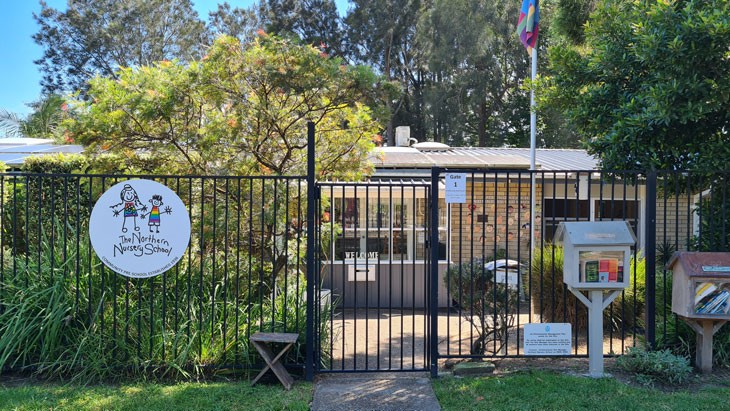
(237, 395)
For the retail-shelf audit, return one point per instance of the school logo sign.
(139, 228)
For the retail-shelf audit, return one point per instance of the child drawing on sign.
(154, 219)
(130, 202)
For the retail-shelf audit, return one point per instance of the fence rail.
(246, 266)
(244, 269)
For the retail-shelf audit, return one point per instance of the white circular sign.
(139, 228)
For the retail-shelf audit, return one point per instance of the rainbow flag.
(527, 27)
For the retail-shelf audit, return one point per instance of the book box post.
(701, 296)
(596, 270)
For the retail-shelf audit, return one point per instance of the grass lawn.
(545, 390)
(153, 397)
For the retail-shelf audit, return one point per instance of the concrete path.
(374, 392)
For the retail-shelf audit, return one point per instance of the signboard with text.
(455, 187)
(547, 339)
(139, 228)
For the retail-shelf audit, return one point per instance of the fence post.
(311, 247)
(434, 247)
(650, 255)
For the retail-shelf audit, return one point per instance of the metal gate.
(372, 277)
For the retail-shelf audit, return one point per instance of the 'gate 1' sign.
(139, 228)
(455, 187)
(547, 339)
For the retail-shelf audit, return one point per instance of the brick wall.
(489, 220)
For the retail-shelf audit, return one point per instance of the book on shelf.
(591, 271)
(714, 303)
(703, 290)
(612, 270)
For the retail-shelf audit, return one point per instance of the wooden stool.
(262, 342)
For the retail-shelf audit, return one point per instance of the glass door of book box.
(712, 297)
(601, 266)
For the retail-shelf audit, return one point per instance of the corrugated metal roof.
(483, 157)
(14, 151)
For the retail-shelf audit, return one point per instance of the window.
(628, 210)
(388, 226)
(555, 210)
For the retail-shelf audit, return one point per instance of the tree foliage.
(236, 21)
(43, 122)
(314, 22)
(97, 37)
(651, 88)
(240, 110)
(476, 66)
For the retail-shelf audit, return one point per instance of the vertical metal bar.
(401, 236)
(343, 203)
(650, 248)
(249, 271)
(367, 283)
(177, 283)
(237, 355)
(470, 210)
(413, 277)
(298, 230)
(275, 194)
(262, 254)
(311, 249)
(355, 237)
(189, 268)
(202, 264)
(333, 218)
(378, 223)
(225, 267)
(286, 253)
(433, 254)
(213, 265)
(391, 242)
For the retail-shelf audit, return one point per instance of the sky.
(19, 77)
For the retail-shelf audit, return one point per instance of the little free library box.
(701, 284)
(596, 254)
(701, 295)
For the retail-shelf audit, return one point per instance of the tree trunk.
(482, 123)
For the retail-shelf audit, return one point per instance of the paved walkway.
(374, 392)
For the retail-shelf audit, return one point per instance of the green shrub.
(656, 366)
(490, 308)
(552, 299)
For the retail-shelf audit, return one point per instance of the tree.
(314, 22)
(571, 17)
(97, 37)
(43, 122)
(237, 22)
(476, 65)
(382, 33)
(651, 88)
(240, 110)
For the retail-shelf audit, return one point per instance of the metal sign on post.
(455, 187)
(139, 228)
(547, 339)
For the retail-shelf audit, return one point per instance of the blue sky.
(19, 77)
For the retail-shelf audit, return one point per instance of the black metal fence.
(372, 275)
(396, 271)
(244, 271)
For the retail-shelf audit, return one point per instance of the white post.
(595, 334)
(596, 303)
